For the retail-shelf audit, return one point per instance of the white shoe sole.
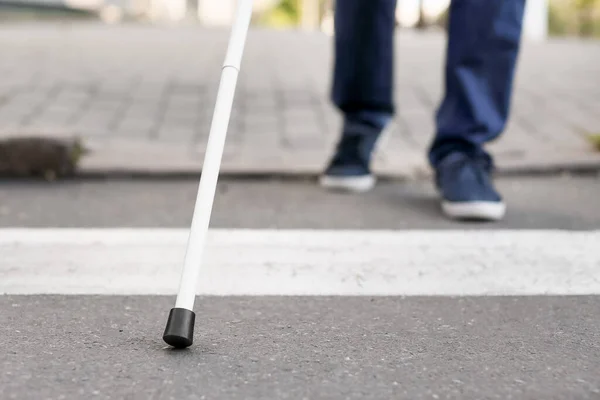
(476, 210)
(356, 184)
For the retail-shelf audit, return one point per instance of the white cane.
(179, 331)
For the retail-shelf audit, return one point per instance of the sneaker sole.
(477, 210)
(356, 184)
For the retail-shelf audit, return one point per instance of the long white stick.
(213, 156)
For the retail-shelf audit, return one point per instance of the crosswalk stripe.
(302, 262)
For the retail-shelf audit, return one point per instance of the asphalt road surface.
(533, 203)
(57, 346)
(303, 348)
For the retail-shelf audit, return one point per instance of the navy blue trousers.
(481, 55)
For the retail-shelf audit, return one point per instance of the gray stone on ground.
(47, 156)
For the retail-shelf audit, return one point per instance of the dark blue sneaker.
(349, 169)
(465, 184)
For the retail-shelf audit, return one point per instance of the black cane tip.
(179, 331)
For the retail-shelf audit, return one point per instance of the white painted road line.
(302, 262)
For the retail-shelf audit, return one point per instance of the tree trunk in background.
(586, 16)
(586, 21)
(422, 22)
(310, 12)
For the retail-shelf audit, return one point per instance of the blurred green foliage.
(286, 13)
(30, 12)
(574, 18)
(565, 18)
(595, 140)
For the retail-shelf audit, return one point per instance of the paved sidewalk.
(143, 98)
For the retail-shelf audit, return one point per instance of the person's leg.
(483, 47)
(362, 87)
